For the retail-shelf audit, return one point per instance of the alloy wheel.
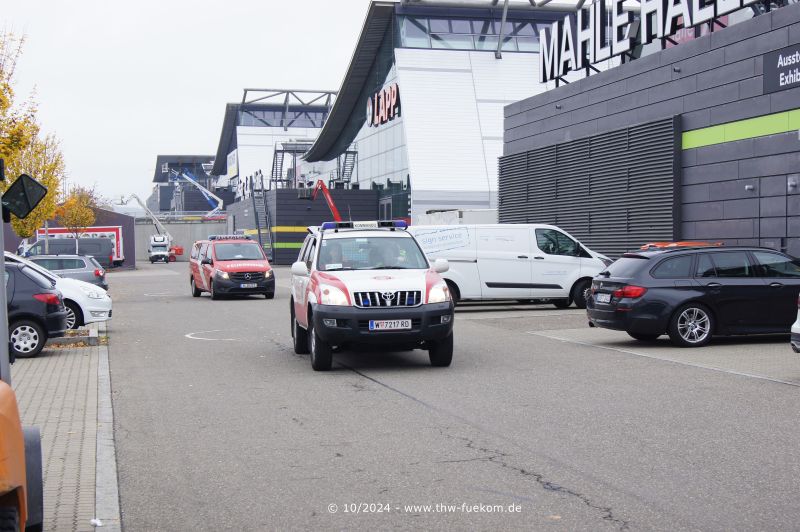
(25, 339)
(70, 318)
(694, 325)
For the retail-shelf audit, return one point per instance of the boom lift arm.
(207, 193)
(320, 186)
(159, 226)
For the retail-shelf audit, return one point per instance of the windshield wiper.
(391, 268)
(336, 269)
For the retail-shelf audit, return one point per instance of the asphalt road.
(219, 425)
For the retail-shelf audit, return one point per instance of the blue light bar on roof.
(373, 224)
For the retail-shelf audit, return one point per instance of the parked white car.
(86, 303)
(513, 261)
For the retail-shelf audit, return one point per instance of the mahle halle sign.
(582, 38)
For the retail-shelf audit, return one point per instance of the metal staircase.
(277, 166)
(263, 223)
(347, 165)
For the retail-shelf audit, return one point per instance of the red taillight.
(50, 299)
(629, 291)
(98, 273)
(111, 259)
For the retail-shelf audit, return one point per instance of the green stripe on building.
(742, 129)
(288, 245)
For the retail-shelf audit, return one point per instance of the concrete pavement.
(220, 425)
(66, 393)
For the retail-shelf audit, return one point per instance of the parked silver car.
(74, 267)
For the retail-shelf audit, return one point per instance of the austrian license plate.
(602, 298)
(389, 325)
(248, 285)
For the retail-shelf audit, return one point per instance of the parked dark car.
(36, 310)
(695, 294)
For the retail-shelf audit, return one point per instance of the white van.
(512, 261)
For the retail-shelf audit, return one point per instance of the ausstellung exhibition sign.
(782, 69)
(582, 38)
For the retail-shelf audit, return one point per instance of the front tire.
(195, 290)
(214, 295)
(562, 303)
(74, 315)
(580, 292)
(299, 335)
(692, 325)
(455, 295)
(321, 352)
(441, 352)
(269, 295)
(26, 338)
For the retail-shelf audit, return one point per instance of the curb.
(91, 340)
(106, 487)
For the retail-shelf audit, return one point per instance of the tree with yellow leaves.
(18, 127)
(20, 145)
(43, 161)
(77, 211)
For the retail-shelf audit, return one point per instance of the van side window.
(203, 251)
(553, 242)
(195, 251)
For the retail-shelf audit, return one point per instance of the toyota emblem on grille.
(247, 276)
(387, 296)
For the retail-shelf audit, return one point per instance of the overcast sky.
(120, 83)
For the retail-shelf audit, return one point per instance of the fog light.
(329, 322)
(447, 318)
(98, 314)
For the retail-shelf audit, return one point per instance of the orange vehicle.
(683, 244)
(20, 469)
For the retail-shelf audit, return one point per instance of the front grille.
(401, 298)
(243, 276)
(416, 323)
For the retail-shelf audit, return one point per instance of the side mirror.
(300, 269)
(207, 260)
(441, 265)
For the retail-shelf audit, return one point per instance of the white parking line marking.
(192, 336)
(159, 295)
(663, 359)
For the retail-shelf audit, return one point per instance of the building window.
(464, 34)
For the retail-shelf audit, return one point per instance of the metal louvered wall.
(613, 191)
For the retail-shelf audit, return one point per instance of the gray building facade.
(736, 171)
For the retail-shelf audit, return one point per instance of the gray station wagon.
(75, 267)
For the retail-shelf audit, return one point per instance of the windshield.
(375, 253)
(238, 251)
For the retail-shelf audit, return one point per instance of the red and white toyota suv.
(230, 265)
(369, 283)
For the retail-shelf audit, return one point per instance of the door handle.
(522, 256)
(539, 258)
(714, 285)
(775, 285)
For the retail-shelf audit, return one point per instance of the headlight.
(330, 295)
(221, 274)
(268, 274)
(439, 293)
(91, 293)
